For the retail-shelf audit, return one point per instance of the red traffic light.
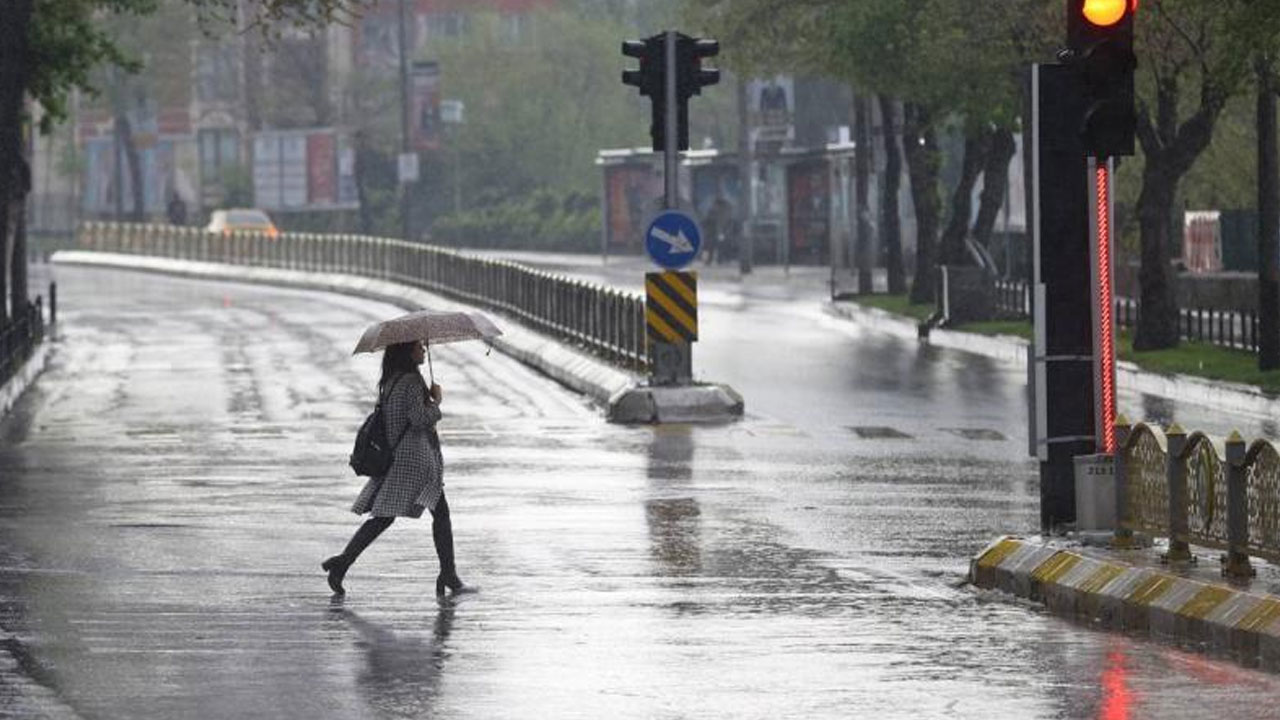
(1105, 13)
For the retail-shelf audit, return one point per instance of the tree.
(1180, 43)
(538, 108)
(48, 49)
(940, 57)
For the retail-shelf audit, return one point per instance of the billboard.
(162, 176)
(634, 194)
(303, 170)
(808, 210)
(771, 111)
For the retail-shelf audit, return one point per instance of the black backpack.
(373, 455)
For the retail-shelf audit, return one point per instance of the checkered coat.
(416, 478)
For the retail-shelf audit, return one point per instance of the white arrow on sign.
(679, 243)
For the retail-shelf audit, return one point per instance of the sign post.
(670, 73)
(673, 239)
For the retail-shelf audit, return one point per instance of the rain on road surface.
(172, 482)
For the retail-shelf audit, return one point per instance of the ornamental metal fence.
(19, 339)
(1194, 489)
(603, 321)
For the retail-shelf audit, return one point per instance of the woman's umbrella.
(432, 327)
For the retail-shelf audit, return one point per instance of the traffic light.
(650, 80)
(690, 77)
(1100, 40)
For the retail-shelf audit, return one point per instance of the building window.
(447, 25)
(219, 151)
(515, 27)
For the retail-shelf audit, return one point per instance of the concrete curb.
(18, 384)
(603, 383)
(1210, 617)
(1219, 395)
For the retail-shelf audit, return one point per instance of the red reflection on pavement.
(1117, 699)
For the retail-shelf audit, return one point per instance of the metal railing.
(19, 339)
(1013, 298)
(1237, 329)
(1197, 490)
(606, 322)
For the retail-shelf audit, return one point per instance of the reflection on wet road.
(173, 482)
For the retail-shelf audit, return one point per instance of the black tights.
(441, 533)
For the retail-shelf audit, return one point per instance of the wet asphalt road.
(173, 481)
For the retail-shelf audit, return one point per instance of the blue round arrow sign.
(673, 239)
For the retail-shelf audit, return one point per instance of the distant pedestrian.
(715, 227)
(176, 210)
(415, 481)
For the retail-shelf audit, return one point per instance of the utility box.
(1095, 492)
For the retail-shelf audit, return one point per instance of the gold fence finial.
(1235, 437)
(1175, 429)
(1122, 420)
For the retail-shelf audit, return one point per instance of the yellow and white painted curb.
(1212, 617)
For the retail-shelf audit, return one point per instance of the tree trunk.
(1158, 319)
(15, 18)
(920, 149)
(892, 230)
(18, 229)
(743, 239)
(995, 181)
(1268, 222)
(861, 181)
(976, 143)
(361, 171)
(1170, 149)
(134, 163)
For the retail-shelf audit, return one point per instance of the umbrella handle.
(431, 370)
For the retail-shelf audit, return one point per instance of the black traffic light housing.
(1103, 56)
(650, 80)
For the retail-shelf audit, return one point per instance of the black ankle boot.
(337, 568)
(452, 582)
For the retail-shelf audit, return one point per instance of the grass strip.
(1197, 359)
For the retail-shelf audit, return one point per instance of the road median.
(1124, 590)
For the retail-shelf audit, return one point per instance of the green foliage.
(537, 110)
(544, 220)
(237, 184)
(898, 305)
(67, 42)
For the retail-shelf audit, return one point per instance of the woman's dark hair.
(395, 360)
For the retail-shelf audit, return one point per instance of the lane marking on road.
(976, 433)
(878, 432)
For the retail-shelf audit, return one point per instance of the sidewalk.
(1224, 396)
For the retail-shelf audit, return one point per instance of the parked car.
(233, 220)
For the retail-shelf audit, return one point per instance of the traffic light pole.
(671, 153)
(406, 222)
(1063, 348)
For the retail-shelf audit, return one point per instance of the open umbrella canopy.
(432, 327)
